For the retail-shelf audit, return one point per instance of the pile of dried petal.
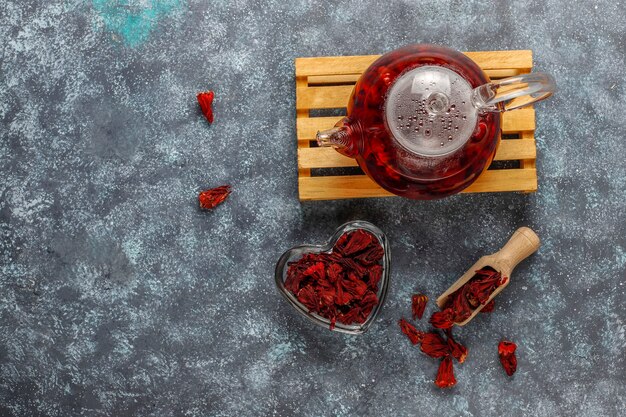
(340, 285)
(458, 308)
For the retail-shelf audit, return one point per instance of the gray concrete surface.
(118, 297)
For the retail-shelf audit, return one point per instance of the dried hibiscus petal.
(457, 350)
(205, 100)
(418, 304)
(342, 297)
(434, 346)
(506, 351)
(445, 374)
(354, 242)
(371, 255)
(414, 335)
(460, 306)
(481, 286)
(442, 319)
(334, 272)
(317, 271)
(375, 274)
(489, 307)
(351, 316)
(213, 197)
(308, 297)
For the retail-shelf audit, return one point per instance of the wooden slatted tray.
(326, 83)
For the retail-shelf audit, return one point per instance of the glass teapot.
(423, 121)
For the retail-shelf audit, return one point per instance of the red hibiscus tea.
(384, 101)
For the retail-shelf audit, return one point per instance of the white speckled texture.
(119, 297)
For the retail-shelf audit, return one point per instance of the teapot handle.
(513, 92)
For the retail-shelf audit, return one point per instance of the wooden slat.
(360, 186)
(336, 97)
(302, 114)
(341, 65)
(516, 149)
(323, 97)
(514, 121)
(519, 120)
(509, 150)
(529, 162)
(320, 80)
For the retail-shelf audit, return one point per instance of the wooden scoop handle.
(520, 246)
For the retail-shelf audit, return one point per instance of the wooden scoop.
(522, 244)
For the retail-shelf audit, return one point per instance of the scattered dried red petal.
(434, 346)
(442, 319)
(445, 374)
(506, 351)
(418, 304)
(213, 197)
(205, 100)
(414, 335)
(489, 307)
(457, 350)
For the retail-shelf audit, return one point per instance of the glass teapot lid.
(429, 110)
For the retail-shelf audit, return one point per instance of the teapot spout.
(339, 137)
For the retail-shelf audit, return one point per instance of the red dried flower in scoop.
(461, 308)
(414, 335)
(418, 304)
(489, 307)
(506, 351)
(215, 196)
(205, 100)
(442, 319)
(457, 350)
(445, 375)
(482, 285)
(434, 346)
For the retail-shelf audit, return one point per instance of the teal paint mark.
(133, 20)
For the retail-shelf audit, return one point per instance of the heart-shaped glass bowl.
(297, 252)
